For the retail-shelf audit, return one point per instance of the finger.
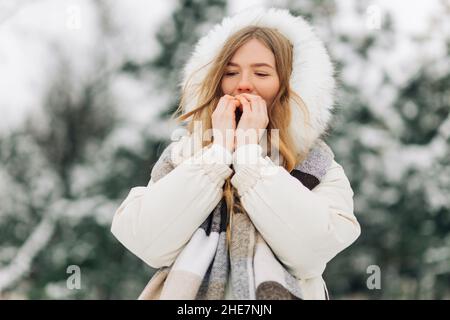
(254, 101)
(223, 102)
(248, 95)
(253, 97)
(231, 103)
(259, 107)
(258, 103)
(238, 104)
(220, 104)
(246, 107)
(229, 108)
(242, 96)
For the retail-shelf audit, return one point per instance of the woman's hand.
(224, 122)
(254, 120)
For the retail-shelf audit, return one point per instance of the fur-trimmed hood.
(312, 77)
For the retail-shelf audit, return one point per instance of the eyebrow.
(260, 64)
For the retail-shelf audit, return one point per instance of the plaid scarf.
(202, 268)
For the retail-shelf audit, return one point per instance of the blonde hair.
(209, 93)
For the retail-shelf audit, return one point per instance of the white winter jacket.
(155, 222)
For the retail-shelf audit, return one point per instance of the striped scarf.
(202, 268)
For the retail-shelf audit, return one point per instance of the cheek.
(227, 85)
(269, 89)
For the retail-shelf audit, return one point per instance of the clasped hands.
(251, 125)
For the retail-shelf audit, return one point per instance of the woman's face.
(252, 70)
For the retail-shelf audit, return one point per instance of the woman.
(257, 208)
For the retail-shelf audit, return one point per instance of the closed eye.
(230, 74)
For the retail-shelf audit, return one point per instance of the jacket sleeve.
(304, 228)
(155, 222)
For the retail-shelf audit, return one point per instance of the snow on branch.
(21, 263)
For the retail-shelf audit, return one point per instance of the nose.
(244, 85)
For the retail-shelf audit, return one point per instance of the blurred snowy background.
(86, 88)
